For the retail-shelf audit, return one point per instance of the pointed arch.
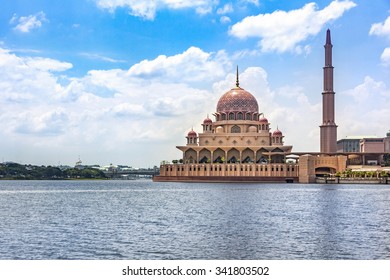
(233, 156)
(190, 156)
(248, 155)
(204, 156)
(235, 129)
(218, 156)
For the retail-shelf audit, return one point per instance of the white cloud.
(47, 64)
(364, 109)
(126, 118)
(27, 23)
(95, 56)
(283, 31)
(205, 66)
(385, 57)
(225, 19)
(381, 29)
(254, 2)
(148, 9)
(138, 116)
(227, 8)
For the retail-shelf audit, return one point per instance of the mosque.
(239, 134)
(239, 144)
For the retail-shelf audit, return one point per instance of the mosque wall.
(231, 170)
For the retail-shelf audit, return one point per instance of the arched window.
(236, 129)
(231, 116)
(248, 116)
(223, 117)
(239, 116)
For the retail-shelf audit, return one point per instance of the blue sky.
(123, 81)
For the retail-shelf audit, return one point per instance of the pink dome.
(207, 121)
(237, 99)
(263, 120)
(192, 133)
(277, 132)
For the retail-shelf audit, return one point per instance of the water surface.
(146, 220)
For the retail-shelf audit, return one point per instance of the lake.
(144, 220)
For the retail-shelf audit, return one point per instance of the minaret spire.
(328, 40)
(237, 81)
(328, 129)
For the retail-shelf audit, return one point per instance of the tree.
(386, 159)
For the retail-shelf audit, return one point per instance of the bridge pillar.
(307, 171)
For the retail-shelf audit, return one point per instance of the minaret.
(328, 129)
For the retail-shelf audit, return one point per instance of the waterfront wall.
(228, 172)
(337, 180)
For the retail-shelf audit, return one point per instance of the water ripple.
(145, 220)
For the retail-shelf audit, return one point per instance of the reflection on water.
(145, 220)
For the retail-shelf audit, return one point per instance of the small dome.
(192, 133)
(277, 132)
(263, 120)
(207, 121)
(252, 128)
(219, 129)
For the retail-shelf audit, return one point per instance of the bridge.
(131, 174)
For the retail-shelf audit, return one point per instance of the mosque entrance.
(324, 171)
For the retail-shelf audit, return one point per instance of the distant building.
(364, 144)
(387, 142)
(350, 144)
(372, 145)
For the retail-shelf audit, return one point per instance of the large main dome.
(237, 99)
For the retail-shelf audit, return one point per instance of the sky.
(124, 81)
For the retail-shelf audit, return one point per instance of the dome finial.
(237, 82)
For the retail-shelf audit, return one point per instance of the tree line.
(15, 171)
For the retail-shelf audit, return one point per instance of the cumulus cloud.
(148, 9)
(283, 31)
(26, 23)
(385, 57)
(364, 109)
(47, 64)
(138, 116)
(47, 115)
(205, 66)
(227, 8)
(381, 29)
(225, 19)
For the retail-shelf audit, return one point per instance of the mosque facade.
(238, 145)
(239, 134)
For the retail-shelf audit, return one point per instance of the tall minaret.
(328, 129)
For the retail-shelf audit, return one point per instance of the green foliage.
(361, 174)
(15, 171)
(386, 159)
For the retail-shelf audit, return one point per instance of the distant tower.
(328, 129)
